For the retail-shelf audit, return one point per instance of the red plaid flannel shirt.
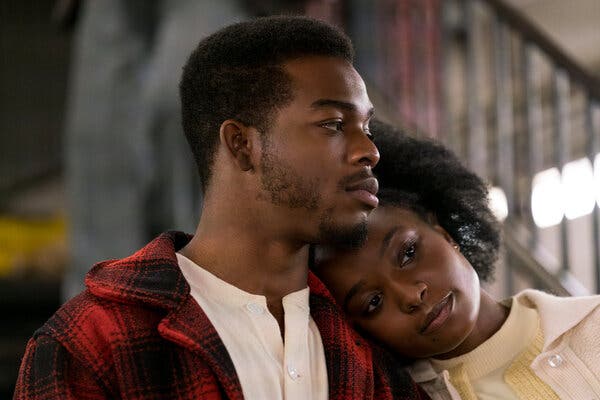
(136, 333)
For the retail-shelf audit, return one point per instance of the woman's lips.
(438, 314)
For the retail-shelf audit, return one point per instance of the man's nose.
(361, 149)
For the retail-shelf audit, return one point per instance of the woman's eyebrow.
(351, 293)
(386, 240)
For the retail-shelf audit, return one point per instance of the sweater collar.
(558, 315)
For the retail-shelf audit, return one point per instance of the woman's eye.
(333, 125)
(409, 254)
(374, 303)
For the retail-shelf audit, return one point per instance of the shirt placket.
(297, 378)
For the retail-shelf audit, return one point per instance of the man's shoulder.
(124, 298)
(151, 276)
(89, 325)
(121, 348)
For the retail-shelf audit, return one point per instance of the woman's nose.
(411, 296)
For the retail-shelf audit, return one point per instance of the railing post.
(504, 168)
(562, 129)
(451, 137)
(561, 115)
(405, 62)
(477, 145)
(593, 148)
(533, 111)
(431, 58)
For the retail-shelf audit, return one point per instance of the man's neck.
(252, 260)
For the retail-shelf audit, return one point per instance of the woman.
(415, 288)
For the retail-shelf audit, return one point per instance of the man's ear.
(238, 142)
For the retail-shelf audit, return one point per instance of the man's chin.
(344, 237)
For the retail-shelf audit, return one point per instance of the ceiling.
(574, 25)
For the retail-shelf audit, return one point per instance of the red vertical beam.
(433, 72)
(418, 62)
(386, 46)
(325, 10)
(403, 60)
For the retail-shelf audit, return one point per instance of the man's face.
(409, 287)
(317, 156)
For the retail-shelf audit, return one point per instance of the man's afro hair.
(237, 73)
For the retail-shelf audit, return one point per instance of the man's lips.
(438, 314)
(365, 191)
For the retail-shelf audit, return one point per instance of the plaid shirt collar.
(151, 277)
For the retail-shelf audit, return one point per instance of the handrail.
(535, 264)
(498, 125)
(530, 32)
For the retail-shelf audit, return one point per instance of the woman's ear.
(238, 142)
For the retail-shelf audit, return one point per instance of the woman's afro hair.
(426, 177)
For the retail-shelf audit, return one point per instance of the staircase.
(482, 78)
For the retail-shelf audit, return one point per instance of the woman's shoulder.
(560, 315)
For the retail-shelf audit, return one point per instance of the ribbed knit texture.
(482, 369)
(501, 364)
(518, 376)
(521, 378)
(461, 382)
(586, 346)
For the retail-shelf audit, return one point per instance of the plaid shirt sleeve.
(48, 371)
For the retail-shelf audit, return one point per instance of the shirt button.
(255, 309)
(293, 372)
(555, 360)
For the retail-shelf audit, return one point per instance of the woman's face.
(408, 287)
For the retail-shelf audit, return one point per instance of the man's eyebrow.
(351, 293)
(344, 105)
(386, 240)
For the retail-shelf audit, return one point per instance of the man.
(277, 119)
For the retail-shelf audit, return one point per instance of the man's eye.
(368, 132)
(333, 125)
(374, 303)
(409, 254)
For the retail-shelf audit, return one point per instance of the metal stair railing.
(481, 77)
(510, 30)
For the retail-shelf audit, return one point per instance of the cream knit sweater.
(561, 362)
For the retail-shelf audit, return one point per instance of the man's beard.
(286, 187)
(342, 237)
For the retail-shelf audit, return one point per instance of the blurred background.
(93, 163)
